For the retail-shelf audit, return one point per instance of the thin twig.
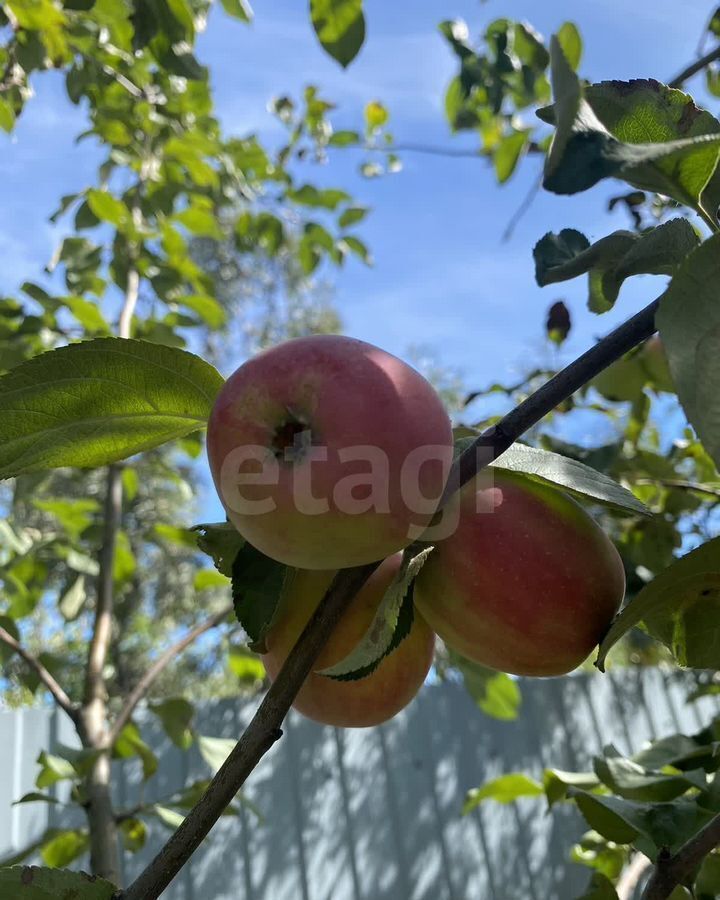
(694, 68)
(670, 871)
(264, 729)
(520, 212)
(156, 669)
(58, 694)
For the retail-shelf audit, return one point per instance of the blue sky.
(442, 278)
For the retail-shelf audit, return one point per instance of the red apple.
(328, 452)
(527, 583)
(366, 701)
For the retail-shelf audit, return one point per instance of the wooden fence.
(374, 814)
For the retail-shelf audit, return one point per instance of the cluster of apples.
(328, 452)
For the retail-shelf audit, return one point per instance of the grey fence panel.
(374, 814)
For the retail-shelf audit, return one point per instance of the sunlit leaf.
(340, 27)
(100, 401)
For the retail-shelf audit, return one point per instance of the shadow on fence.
(374, 814)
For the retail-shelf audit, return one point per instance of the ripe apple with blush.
(365, 701)
(527, 583)
(328, 452)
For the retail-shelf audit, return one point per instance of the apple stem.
(264, 728)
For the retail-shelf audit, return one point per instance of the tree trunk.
(104, 853)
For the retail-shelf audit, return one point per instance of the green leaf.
(571, 43)
(215, 750)
(257, 584)
(36, 797)
(646, 114)
(81, 562)
(380, 637)
(208, 579)
(87, 314)
(612, 259)
(528, 44)
(131, 483)
(496, 694)
(98, 402)
(183, 14)
(9, 625)
(352, 215)
(708, 878)
(124, 564)
(34, 883)
(108, 208)
(600, 888)
(133, 834)
(659, 824)
(129, 743)
(573, 476)
(53, 769)
(652, 136)
(200, 221)
(176, 715)
(208, 308)
(71, 603)
(7, 115)
(344, 138)
(509, 152)
(73, 515)
(180, 537)
(222, 542)
(239, 9)
(689, 323)
(66, 763)
(633, 782)
(681, 607)
(358, 248)
(681, 752)
(557, 253)
(246, 666)
(505, 789)
(557, 783)
(189, 796)
(169, 817)
(64, 848)
(340, 27)
(309, 195)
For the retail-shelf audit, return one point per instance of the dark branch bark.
(670, 871)
(694, 68)
(157, 668)
(264, 729)
(58, 694)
